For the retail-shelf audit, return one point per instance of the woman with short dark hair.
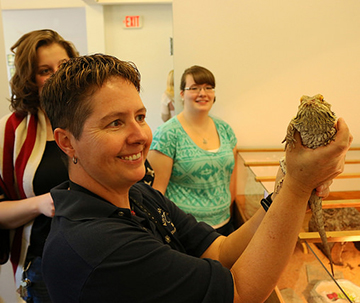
(113, 239)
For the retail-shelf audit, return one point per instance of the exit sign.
(132, 22)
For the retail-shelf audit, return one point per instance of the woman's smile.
(131, 157)
(116, 137)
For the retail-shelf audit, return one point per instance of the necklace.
(204, 139)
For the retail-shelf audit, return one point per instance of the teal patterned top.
(200, 179)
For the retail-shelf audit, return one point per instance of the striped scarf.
(22, 144)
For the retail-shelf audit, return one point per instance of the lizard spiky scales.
(316, 124)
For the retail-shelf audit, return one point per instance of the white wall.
(266, 54)
(148, 47)
(95, 31)
(40, 4)
(68, 22)
(4, 92)
(7, 288)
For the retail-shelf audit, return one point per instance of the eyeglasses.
(197, 89)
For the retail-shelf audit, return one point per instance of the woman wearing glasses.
(193, 154)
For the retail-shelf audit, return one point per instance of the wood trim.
(332, 236)
(341, 176)
(274, 149)
(340, 203)
(260, 150)
(113, 2)
(262, 163)
(276, 163)
(275, 297)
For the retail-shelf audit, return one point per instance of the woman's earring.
(74, 159)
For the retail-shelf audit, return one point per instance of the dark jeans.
(37, 292)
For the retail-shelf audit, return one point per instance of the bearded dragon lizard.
(316, 124)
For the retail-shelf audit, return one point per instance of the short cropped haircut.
(200, 74)
(66, 96)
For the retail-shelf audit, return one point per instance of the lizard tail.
(316, 208)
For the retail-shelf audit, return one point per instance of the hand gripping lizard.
(316, 124)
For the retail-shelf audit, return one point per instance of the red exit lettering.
(132, 22)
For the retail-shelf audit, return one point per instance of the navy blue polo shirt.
(97, 252)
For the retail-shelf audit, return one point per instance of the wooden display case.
(256, 170)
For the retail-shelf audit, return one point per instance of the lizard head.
(314, 111)
(314, 121)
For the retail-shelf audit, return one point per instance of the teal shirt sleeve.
(165, 137)
(226, 132)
